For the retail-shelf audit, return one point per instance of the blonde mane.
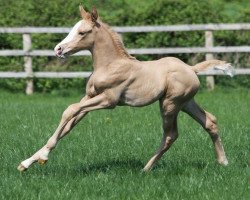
(117, 40)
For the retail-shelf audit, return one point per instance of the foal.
(120, 79)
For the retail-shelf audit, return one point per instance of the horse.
(119, 79)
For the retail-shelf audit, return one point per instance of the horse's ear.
(82, 11)
(94, 14)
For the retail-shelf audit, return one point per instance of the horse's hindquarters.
(182, 86)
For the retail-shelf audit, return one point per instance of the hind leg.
(169, 112)
(208, 122)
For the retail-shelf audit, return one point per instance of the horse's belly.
(142, 95)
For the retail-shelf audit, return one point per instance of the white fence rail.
(208, 48)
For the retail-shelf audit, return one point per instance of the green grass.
(103, 156)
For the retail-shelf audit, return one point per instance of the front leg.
(69, 118)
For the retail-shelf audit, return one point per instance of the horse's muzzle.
(59, 51)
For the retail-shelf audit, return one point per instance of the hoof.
(146, 169)
(21, 168)
(41, 161)
(223, 162)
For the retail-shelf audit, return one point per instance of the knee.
(169, 141)
(70, 112)
(211, 125)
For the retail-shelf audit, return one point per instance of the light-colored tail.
(214, 64)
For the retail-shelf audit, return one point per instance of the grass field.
(103, 156)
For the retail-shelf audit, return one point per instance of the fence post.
(27, 45)
(209, 42)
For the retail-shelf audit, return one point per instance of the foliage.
(122, 13)
(103, 156)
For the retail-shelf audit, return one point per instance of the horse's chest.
(103, 81)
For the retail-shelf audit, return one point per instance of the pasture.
(103, 156)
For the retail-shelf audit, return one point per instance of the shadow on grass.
(181, 166)
(106, 166)
(98, 167)
(174, 167)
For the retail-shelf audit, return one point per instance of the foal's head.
(81, 36)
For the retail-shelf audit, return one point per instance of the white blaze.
(71, 34)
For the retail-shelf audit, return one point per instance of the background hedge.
(59, 13)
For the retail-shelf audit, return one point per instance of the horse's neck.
(104, 50)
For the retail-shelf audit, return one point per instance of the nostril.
(59, 50)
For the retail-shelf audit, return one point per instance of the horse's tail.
(214, 64)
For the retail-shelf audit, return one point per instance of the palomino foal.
(120, 79)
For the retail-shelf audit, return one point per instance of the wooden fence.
(28, 53)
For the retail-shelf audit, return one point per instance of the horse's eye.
(82, 33)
